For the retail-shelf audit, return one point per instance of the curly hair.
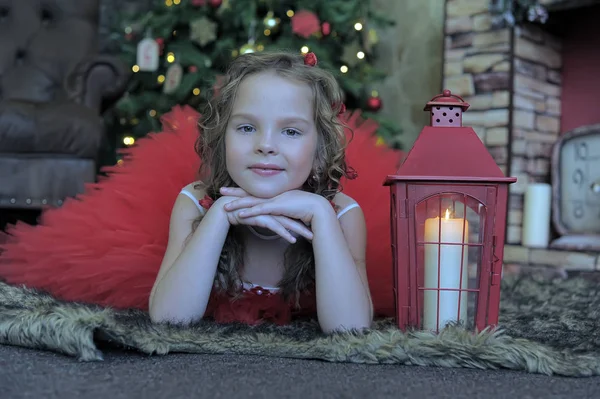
(329, 166)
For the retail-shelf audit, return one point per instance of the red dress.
(105, 246)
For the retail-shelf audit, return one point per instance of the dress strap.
(194, 200)
(346, 209)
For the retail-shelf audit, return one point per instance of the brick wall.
(511, 77)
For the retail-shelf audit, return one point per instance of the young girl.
(264, 234)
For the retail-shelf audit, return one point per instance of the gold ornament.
(271, 23)
(370, 39)
(203, 31)
(349, 56)
(248, 48)
(225, 6)
(373, 38)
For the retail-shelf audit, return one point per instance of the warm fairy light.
(360, 55)
(171, 57)
(176, 1)
(374, 93)
(358, 26)
(135, 121)
(260, 47)
(128, 140)
(196, 91)
(344, 69)
(168, 3)
(135, 68)
(304, 49)
(290, 13)
(152, 113)
(161, 78)
(267, 32)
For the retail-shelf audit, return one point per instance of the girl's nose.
(265, 143)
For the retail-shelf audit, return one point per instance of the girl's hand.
(281, 225)
(295, 204)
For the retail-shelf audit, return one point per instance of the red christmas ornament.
(325, 28)
(310, 59)
(215, 3)
(305, 23)
(374, 103)
(198, 3)
(193, 69)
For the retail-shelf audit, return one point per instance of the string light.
(171, 57)
(290, 13)
(176, 2)
(128, 30)
(168, 3)
(196, 91)
(152, 113)
(358, 26)
(267, 32)
(304, 49)
(128, 140)
(344, 69)
(161, 78)
(135, 121)
(135, 68)
(360, 55)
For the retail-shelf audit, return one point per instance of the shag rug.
(546, 326)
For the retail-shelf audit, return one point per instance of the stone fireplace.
(513, 79)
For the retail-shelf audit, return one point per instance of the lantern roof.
(447, 99)
(449, 153)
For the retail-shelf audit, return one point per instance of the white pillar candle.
(536, 215)
(450, 257)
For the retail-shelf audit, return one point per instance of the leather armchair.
(53, 84)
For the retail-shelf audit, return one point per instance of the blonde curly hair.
(329, 166)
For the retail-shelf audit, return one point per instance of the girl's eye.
(246, 129)
(291, 132)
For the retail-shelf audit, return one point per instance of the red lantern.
(448, 210)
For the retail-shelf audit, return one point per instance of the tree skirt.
(546, 326)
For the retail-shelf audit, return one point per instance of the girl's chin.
(267, 192)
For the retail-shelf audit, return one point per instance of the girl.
(264, 234)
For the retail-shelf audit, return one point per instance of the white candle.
(450, 257)
(536, 215)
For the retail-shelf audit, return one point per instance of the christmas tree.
(180, 48)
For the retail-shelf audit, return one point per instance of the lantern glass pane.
(449, 232)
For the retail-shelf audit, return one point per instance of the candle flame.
(447, 214)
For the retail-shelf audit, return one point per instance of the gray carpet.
(29, 373)
(547, 327)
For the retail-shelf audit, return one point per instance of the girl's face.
(271, 137)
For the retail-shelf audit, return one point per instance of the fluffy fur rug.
(548, 327)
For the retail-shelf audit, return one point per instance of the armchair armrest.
(97, 78)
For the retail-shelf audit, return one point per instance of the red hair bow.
(310, 59)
